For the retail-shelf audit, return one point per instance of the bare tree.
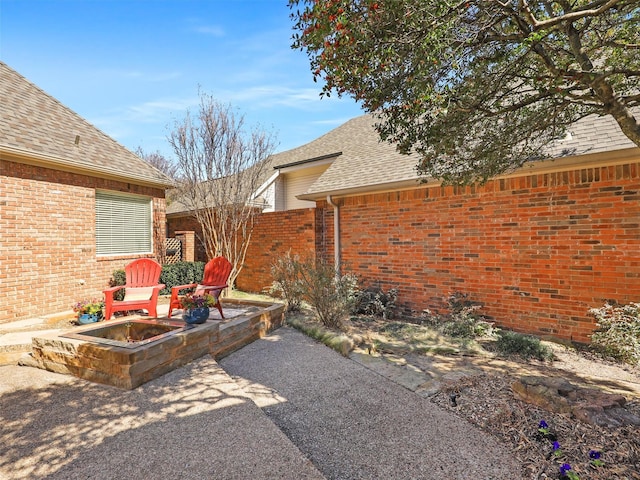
(166, 165)
(222, 164)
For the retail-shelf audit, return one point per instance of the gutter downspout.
(336, 234)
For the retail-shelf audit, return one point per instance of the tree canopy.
(476, 87)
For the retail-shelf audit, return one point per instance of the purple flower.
(564, 468)
(594, 454)
(543, 424)
(556, 446)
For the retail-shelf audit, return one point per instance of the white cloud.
(160, 109)
(117, 74)
(274, 96)
(210, 30)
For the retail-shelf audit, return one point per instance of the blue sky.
(132, 68)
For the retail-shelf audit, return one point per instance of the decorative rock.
(544, 392)
(586, 404)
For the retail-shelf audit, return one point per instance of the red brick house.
(537, 247)
(74, 204)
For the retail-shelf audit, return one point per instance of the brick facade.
(538, 251)
(274, 235)
(178, 224)
(47, 239)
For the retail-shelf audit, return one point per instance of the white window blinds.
(123, 224)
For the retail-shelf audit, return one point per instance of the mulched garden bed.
(488, 402)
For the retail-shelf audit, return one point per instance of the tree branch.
(586, 11)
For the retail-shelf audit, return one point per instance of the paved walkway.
(355, 424)
(192, 423)
(294, 410)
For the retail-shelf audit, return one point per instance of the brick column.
(188, 240)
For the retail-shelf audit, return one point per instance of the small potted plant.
(89, 311)
(196, 307)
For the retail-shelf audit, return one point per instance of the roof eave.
(584, 160)
(327, 158)
(305, 165)
(28, 157)
(600, 159)
(347, 192)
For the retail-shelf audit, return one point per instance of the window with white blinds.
(123, 224)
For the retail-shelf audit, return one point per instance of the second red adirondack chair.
(215, 278)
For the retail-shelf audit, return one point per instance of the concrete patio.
(283, 407)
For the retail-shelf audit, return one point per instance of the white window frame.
(124, 224)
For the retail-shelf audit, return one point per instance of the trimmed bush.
(119, 278)
(181, 273)
(525, 346)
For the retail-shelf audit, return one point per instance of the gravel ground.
(354, 424)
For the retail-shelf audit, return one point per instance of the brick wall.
(537, 251)
(188, 224)
(47, 239)
(274, 235)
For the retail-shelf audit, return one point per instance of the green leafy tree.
(476, 87)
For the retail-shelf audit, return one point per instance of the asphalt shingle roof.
(180, 204)
(367, 162)
(34, 124)
(592, 134)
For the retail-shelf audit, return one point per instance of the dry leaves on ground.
(487, 401)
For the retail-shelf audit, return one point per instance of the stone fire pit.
(129, 352)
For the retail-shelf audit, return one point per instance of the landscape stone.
(586, 404)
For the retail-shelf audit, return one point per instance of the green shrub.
(374, 301)
(316, 283)
(119, 278)
(464, 319)
(286, 281)
(180, 273)
(459, 302)
(525, 346)
(460, 327)
(329, 295)
(618, 333)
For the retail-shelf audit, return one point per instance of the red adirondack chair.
(141, 289)
(215, 278)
